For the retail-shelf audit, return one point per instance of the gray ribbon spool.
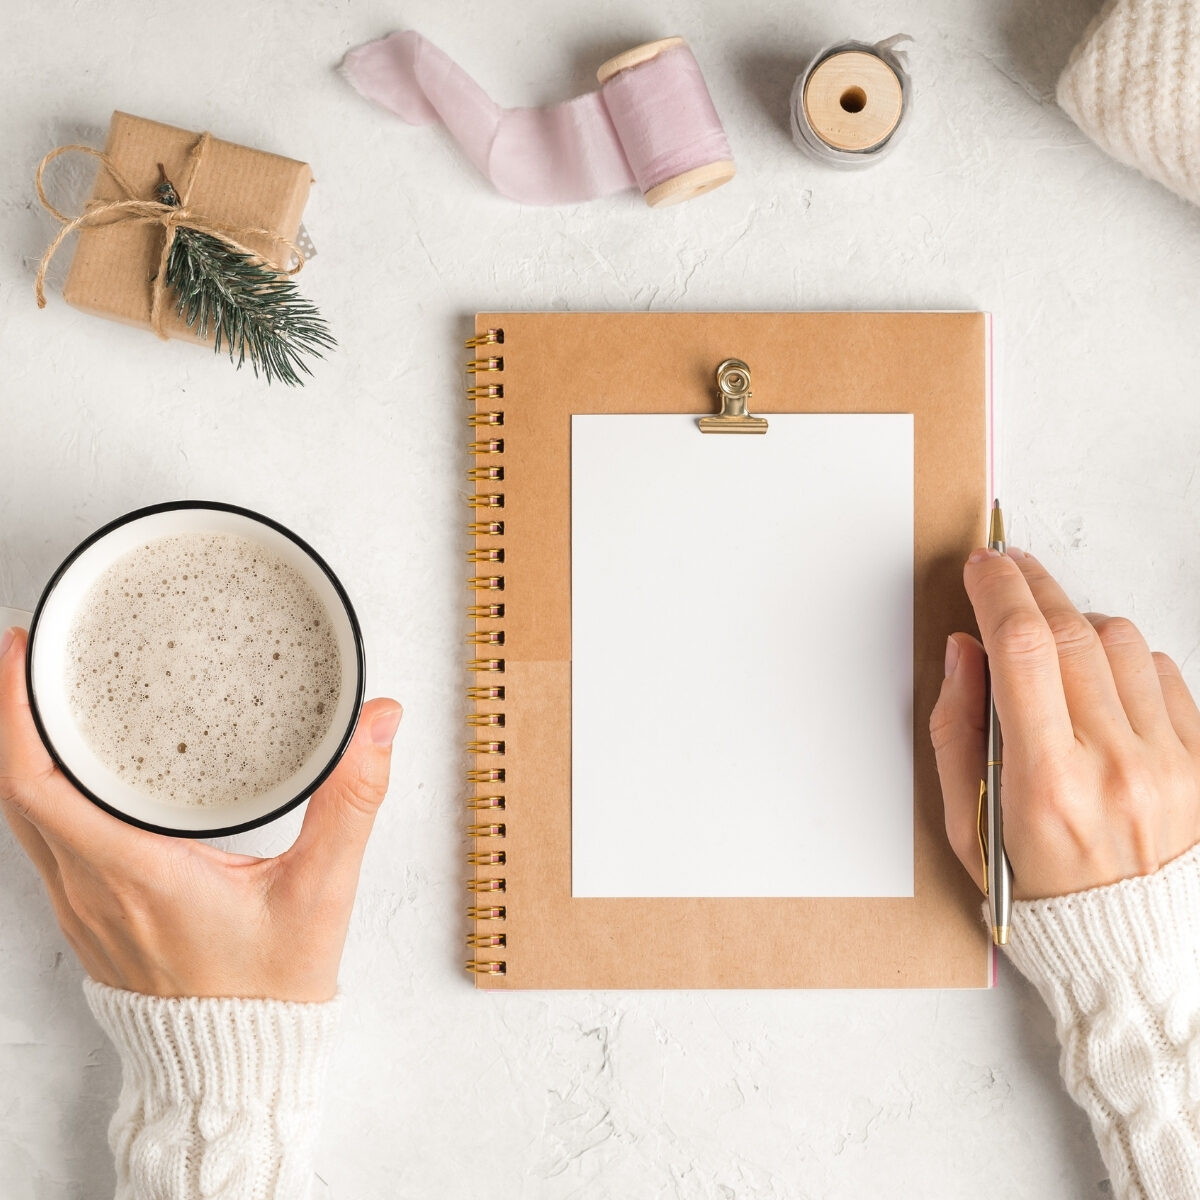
(850, 104)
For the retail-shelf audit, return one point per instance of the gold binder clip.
(981, 831)
(733, 383)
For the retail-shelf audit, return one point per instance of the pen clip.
(981, 831)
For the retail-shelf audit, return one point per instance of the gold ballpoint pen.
(997, 873)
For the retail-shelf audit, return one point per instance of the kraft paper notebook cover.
(731, 784)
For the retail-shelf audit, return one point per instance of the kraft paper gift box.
(232, 188)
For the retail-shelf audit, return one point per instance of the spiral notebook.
(701, 665)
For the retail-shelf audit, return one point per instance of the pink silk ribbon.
(665, 121)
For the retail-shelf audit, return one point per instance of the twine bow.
(158, 212)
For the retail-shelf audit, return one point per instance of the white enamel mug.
(50, 627)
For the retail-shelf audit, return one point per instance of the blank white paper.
(741, 616)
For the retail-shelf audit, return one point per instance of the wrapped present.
(158, 186)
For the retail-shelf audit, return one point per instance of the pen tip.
(996, 532)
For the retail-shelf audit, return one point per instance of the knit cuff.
(1142, 932)
(220, 1097)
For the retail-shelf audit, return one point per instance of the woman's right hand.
(1101, 775)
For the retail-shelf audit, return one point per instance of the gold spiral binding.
(486, 391)
(475, 940)
(477, 719)
(493, 637)
(489, 719)
(483, 366)
(492, 337)
(485, 747)
(483, 912)
(484, 857)
(483, 803)
(485, 830)
(487, 885)
(485, 611)
(487, 967)
(486, 775)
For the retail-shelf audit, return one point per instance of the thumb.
(957, 726)
(342, 810)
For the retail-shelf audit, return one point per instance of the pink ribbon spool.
(652, 124)
(666, 122)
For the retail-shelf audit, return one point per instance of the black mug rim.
(217, 506)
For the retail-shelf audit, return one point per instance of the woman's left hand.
(174, 916)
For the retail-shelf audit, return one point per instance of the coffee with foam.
(203, 668)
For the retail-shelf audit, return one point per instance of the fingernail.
(952, 653)
(1016, 552)
(984, 552)
(6, 640)
(383, 728)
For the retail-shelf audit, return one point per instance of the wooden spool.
(853, 101)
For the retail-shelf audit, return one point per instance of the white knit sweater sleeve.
(220, 1098)
(1133, 86)
(1119, 967)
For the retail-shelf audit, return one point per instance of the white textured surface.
(994, 200)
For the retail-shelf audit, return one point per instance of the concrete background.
(994, 200)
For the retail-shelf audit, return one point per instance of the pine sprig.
(247, 305)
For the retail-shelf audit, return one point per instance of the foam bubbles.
(203, 668)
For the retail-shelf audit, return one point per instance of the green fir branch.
(246, 305)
